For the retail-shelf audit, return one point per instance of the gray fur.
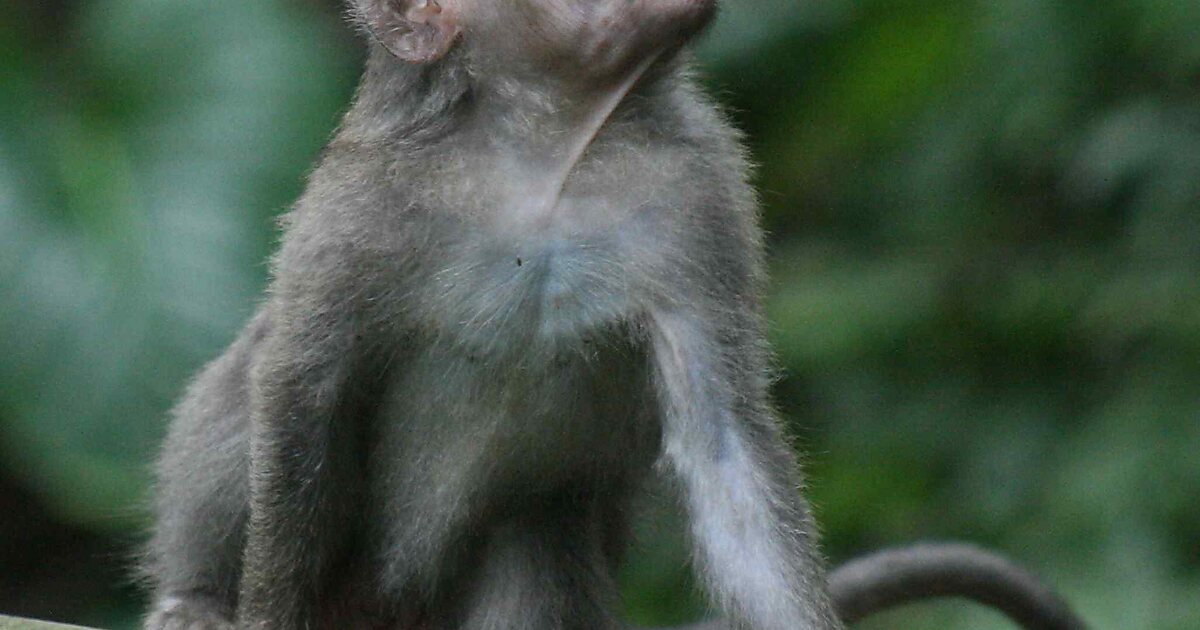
(476, 346)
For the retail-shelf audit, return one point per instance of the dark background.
(985, 248)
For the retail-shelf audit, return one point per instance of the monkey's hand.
(187, 613)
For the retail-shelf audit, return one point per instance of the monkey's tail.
(904, 575)
(894, 577)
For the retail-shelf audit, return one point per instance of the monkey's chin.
(693, 15)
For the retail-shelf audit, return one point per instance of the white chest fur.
(523, 275)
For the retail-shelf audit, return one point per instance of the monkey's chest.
(528, 350)
(524, 381)
(543, 290)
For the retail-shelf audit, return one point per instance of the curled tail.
(894, 577)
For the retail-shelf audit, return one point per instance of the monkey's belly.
(464, 439)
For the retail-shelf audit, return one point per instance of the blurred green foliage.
(985, 240)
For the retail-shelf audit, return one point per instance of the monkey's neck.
(549, 128)
(587, 130)
(540, 129)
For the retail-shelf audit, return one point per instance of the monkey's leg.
(755, 542)
(545, 570)
(193, 562)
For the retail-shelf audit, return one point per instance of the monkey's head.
(588, 40)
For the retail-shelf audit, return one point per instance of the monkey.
(524, 275)
(523, 278)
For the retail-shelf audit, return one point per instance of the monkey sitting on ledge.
(525, 276)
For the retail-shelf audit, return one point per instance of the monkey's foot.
(187, 613)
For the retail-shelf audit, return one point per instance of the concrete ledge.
(13, 623)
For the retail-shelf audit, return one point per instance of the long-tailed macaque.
(524, 277)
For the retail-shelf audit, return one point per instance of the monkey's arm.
(303, 482)
(753, 536)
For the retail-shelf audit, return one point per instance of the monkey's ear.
(417, 31)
